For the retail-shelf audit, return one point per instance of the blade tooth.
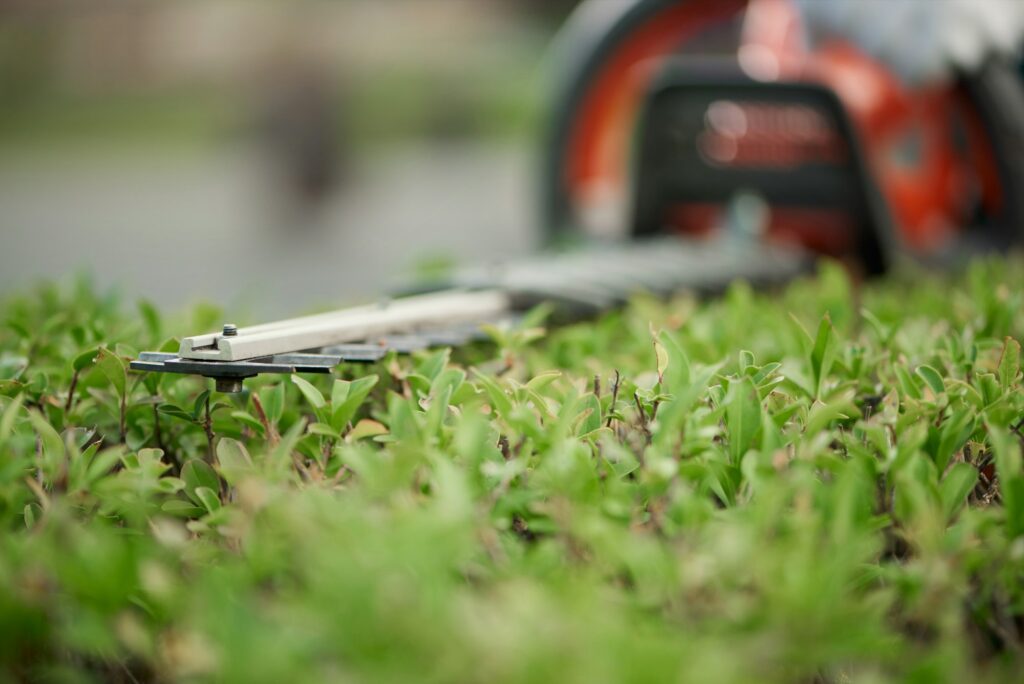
(159, 357)
(357, 353)
(623, 277)
(446, 338)
(223, 369)
(141, 365)
(579, 275)
(404, 344)
(598, 278)
(604, 285)
(306, 360)
(663, 264)
(549, 281)
(476, 333)
(282, 363)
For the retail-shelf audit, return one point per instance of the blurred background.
(273, 157)
(268, 157)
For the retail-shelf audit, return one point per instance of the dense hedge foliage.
(820, 484)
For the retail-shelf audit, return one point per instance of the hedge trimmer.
(692, 143)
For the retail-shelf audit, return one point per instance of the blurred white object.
(922, 40)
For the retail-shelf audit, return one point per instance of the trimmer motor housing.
(665, 111)
(703, 143)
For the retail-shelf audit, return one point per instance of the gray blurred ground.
(177, 230)
(270, 158)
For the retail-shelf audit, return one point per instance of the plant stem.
(208, 429)
(615, 397)
(157, 433)
(124, 417)
(268, 429)
(71, 393)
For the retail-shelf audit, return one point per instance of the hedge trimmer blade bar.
(577, 284)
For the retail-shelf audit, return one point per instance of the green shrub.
(819, 484)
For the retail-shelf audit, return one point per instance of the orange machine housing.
(924, 147)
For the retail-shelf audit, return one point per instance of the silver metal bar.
(405, 315)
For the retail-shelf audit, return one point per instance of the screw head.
(230, 330)
(229, 385)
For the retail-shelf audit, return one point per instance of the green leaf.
(955, 432)
(433, 364)
(199, 405)
(52, 446)
(324, 430)
(355, 394)
(676, 372)
(125, 351)
(661, 354)
(622, 460)
(170, 345)
(883, 333)
(1010, 470)
(9, 416)
(19, 329)
(250, 420)
(932, 378)
(180, 508)
(277, 463)
(908, 387)
(743, 417)
(31, 513)
(746, 360)
(84, 359)
(366, 428)
(12, 367)
(175, 412)
(500, 401)
(272, 399)
(339, 393)
(102, 464)
(989, 387)
(208, 498)
(113, 368)
(420, 384)
(765, 374)
(966, 393)
(538, 382)
(311, 393)
(447, 382)
(196, 473)
(823, 353)
(1009, 363)
(233, 460)
(402, 421)
(822, 414)
(590, 407)
(955, 487)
